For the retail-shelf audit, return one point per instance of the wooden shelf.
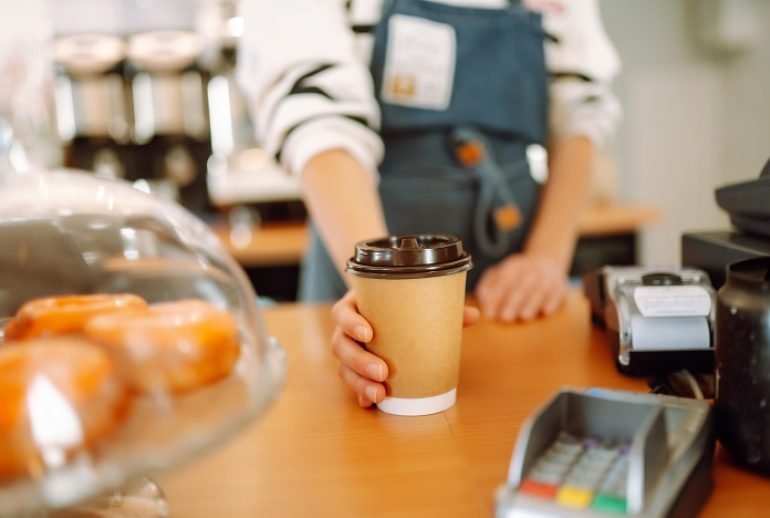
(271, 244)
(275, 244)
(611, 219)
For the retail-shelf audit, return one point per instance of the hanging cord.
(687, 375)
(497, 217)
(683, 383)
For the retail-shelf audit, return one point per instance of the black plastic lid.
(750, 274)
(409, 256)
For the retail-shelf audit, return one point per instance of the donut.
(170, 347)
(57, 396)
(67, 314)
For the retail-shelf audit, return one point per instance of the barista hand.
(521, 287)
(361, 370)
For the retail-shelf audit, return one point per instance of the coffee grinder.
(92, 110)
(170, 121)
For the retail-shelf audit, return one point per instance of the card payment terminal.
(601, 453)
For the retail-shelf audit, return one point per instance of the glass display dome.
(130, 339)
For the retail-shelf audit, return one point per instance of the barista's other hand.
(522, 287)
(363, 371)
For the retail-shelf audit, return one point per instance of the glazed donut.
(57, 396)
(67, 314)
(170, 347)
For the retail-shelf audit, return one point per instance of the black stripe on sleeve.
(362, 28)
(317, 70)
(297, 90)
(355, 118)
(297, 87)
(551, 37)
(557, 76)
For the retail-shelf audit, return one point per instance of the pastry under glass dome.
(68, 233)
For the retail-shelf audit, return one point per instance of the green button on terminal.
(607, 503)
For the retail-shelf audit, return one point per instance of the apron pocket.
(444, 200)
(432, 200)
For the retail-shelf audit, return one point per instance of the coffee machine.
(170, 138)
(92, 110)
(738, 260)
(747, 205)
(130, 95)
(146, 91)
(240, 174)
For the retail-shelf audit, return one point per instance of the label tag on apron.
(419, 63)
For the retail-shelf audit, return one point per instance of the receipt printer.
(657, 320)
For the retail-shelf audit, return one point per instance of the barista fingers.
(315, 111)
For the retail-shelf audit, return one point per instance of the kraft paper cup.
(413, 296)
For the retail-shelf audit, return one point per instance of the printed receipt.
(672, 301)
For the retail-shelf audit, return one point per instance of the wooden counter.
(284, 243)
(318, 454)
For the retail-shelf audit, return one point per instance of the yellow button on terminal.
(574, 497)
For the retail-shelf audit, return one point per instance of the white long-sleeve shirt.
(304, 67)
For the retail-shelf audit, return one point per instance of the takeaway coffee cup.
(411, 288)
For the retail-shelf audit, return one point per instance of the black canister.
(743, 362)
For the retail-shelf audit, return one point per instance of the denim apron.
(498, 105)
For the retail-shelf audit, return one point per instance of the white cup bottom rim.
(418, 406)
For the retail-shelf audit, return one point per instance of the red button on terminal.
(538, 489)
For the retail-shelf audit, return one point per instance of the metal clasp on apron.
(496, 201)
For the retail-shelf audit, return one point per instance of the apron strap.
(497, 213)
